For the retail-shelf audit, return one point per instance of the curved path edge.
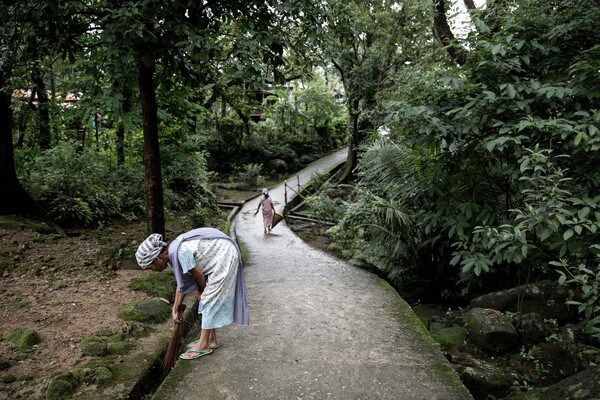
(319, 329)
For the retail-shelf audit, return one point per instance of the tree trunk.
(43, 110)
(444, 33)
(354, 139)
(15, 199)
(152, 168)
(120, 145)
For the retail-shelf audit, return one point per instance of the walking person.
(207, 263)
(268, 210)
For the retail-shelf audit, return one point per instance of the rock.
(102, 375)
(584, 385)
(490, 329)
(93, 346)
(546, 298)
(61, 386)
(277, 165)
(307, 159)
(23, 338)
(557, 360)
(160, 284)
(337, 192)
(531, 328)
(148, 311)
(483, 379)
(451, 339)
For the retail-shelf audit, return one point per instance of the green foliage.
(250, 175)
(72, 185)
(325, 208)
(492, 163)
(185, 178)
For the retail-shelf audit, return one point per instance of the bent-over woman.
(207, 263)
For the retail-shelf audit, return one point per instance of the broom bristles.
(171, 354)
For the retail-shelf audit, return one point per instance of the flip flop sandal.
(187, 348)
(198, 354)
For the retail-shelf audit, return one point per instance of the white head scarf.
(149, 249)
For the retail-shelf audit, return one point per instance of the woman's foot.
(212, 346)
(192, 354)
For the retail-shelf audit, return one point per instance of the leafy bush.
(73, 186)
(185, 178)
(325, 208)
(493, 165)
(250, 175)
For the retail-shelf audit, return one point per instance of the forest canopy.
(473, 159)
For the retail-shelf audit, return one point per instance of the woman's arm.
(258, 208)
(199, 278)
(178, 300)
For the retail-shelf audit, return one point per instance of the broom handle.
(180, 311)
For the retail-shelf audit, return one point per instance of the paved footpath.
(319, 329)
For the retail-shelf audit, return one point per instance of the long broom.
(168, 361)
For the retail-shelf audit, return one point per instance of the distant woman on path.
(208, 263)
(267, 210)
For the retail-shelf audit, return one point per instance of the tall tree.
(201, 43)
(20, 41)
(367, 41)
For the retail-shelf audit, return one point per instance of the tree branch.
(470, 4)
(444, 33)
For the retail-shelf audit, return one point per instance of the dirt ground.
(65, 288)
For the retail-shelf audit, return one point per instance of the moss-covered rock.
(23, 338)
(19, 223)
(94, 346)
(85, 376)
(161, 284)
(119, 347)
(148, 311)
(102, 376)
(61, 386)
(451, 339)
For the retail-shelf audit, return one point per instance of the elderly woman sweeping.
(208, 263)
(268, 210)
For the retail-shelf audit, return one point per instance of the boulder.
(451, 339)
(277, 165)
(557, 360)
(531, 328)
(490, 329)
(483, 379)
(546, 298)
(307, 159)
(147, 311)
(584, 385)
(23, 338)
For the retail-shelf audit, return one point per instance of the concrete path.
(319, 329)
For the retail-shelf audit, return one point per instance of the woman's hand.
(176, 318)
(197, 294)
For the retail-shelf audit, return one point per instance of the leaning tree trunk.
(346, 174)
(15, 199)
(152, 168)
